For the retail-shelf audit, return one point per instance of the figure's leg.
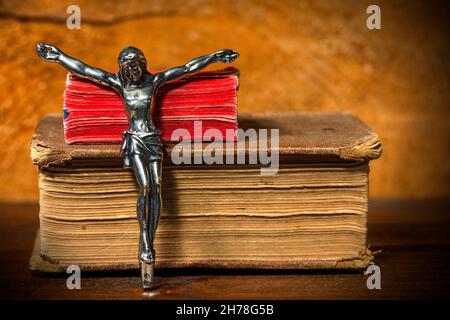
(142, 206)
(154, 200)
(155, 171)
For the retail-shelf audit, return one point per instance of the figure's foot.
(147, 256)
(147, 275)
(145, 253)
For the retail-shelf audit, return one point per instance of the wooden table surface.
(414, 238)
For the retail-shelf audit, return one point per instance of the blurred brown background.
(295, 55)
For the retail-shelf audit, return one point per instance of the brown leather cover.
(304, 137)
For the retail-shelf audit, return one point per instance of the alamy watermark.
(74, 280)
(252, 147)
(373, 22)
(374, 278)
(74, 20)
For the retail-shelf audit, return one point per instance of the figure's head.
(132, 64)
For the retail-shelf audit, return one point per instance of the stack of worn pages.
(308, 211)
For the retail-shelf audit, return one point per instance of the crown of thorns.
(131, 53)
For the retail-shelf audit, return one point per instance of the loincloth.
(145, 144)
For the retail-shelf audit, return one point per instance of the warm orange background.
(295, 55)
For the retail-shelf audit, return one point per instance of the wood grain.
(294, 56)
(413, 237)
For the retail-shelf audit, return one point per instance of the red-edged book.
(95, 114)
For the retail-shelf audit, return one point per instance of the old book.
(95, 114)
(311, 214)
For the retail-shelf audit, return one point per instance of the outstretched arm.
(53, 54)
(196, 65)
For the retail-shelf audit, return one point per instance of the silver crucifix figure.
(141, 149)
